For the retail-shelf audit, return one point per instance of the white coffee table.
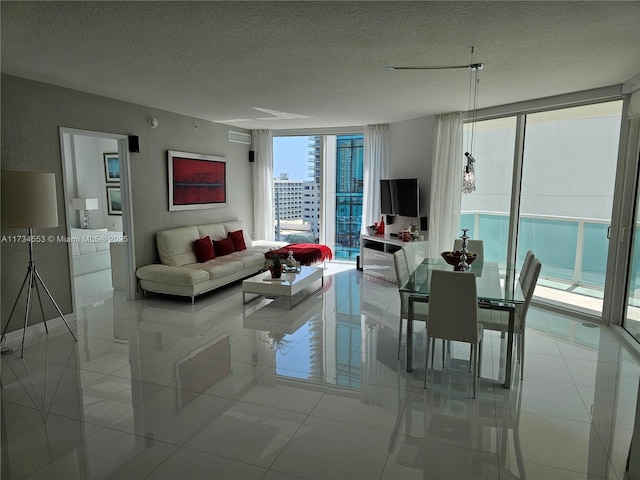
(296, 286)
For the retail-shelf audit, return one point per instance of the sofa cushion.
(238, 240)
(238, 225)
(204, 249)
(222, 267)
(175, 246)
(250, 258)
(215, 231)
(223, 247)
(187, 275)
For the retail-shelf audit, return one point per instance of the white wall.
(32, 114)
(411, 156)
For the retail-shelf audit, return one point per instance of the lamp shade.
(85, 203)
(29, 199)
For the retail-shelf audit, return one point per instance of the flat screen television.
(386, 208)
(400, 197)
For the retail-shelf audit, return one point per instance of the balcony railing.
(572, 250)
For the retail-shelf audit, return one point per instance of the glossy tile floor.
(93, 287)
(161, 389)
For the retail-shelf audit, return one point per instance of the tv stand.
(376, 255)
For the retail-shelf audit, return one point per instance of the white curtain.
(446, 184)
(376, 166)
(263, 212)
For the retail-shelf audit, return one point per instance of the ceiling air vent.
(239, 137)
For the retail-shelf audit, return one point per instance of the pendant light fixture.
(469, 171)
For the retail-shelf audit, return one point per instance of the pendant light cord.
(473, 103)
(470, 137)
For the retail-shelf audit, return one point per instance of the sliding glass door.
(349, 192)
(566, 199)
(631, 320)
(563, 201)
(485, 211)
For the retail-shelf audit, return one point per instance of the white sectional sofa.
(180, 273)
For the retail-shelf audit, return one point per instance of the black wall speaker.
(424, 223)
(252, 156)
(390, 219)
(134, 144)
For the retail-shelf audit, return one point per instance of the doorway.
(96, 186)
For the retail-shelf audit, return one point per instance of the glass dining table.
(498, 289)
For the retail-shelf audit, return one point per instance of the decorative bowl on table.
(453, 258)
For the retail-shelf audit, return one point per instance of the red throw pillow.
(238, 240)
(204, 249)
(223, 247)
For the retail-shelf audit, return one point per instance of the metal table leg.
(409, 365)
(508, 366)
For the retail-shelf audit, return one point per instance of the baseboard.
(566, 309)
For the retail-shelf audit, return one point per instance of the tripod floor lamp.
(29, 201)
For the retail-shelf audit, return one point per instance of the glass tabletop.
(493, 284)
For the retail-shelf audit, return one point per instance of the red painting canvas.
(196, 181)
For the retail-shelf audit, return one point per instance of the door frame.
(622, 221)
(125, 189)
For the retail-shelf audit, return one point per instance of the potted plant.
(276, 267)
(372, 229)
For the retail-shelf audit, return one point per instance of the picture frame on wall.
(111, 167)
(114, 201)
(196, 181)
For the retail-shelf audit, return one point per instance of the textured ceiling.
(319, 64)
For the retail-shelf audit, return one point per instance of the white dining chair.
(526, 265)
(474, 246)
(421, 309)
(453, 315)
(499, 319)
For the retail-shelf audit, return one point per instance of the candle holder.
(463, 266)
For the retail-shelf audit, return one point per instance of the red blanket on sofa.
(305, 253)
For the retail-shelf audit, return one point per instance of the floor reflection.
(161, 388)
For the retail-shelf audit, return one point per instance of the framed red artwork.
(196, 181)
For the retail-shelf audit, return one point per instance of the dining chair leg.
(426, 363)
(433, 350)
(400, 336)
(479, 358)
(521, 354)
(475, 369)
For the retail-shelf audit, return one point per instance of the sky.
(290, 155)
